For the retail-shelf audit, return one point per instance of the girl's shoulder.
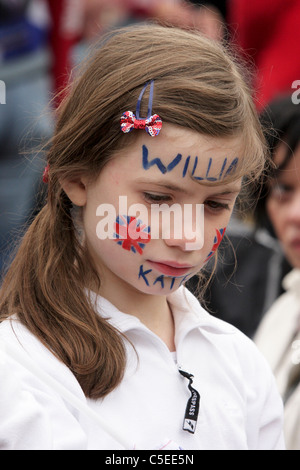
(26, 355)
(35, 414)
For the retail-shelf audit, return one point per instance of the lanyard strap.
(192, 407)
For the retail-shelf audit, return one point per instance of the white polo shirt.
(42, 406)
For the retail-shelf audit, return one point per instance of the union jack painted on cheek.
(131, 234)
(217, 240)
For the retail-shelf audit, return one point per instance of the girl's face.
(179, 167)
(283, 205)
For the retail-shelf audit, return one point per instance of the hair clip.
(46, 174)
(152, 124)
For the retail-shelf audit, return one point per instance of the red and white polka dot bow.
(152, 125)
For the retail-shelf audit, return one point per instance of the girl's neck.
(152, 310)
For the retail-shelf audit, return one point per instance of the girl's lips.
(170, 268)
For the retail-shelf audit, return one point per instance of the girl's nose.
(187, 232)
(183, 243)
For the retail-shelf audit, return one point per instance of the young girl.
(103, 346)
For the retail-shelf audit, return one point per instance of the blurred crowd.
(257, 282)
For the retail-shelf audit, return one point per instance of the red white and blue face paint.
(217, 240)
(131, 233)
(169, 282)
(163, 174)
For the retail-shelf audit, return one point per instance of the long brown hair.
(197, 85)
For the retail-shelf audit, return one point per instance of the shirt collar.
(187, 311)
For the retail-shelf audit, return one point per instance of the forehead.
(181, 154)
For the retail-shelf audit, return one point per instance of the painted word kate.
(143, 274)
(227, 168)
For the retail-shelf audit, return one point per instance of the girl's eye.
(157, 198)
(216, 206)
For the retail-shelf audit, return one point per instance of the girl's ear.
(76, 190)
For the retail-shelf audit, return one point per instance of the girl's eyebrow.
(163, 184)
(229, 191)
(233, 189)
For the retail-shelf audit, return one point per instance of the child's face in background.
(283, 205)
(177, 167)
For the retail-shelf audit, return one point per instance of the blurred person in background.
(266, 35)
(262, 295)
(206, 16)
(247, 279)
(278, 336)
(24, 64)
(36, 42)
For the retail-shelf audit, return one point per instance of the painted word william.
(226, 169)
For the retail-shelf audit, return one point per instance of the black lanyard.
(192, 407)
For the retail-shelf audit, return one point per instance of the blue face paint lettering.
(223, 168)
(165, 169)
(155, 161)
(186, 166)
(161, 280)
(232, 167)
(195, 165)
(209, 178)
(143, 274)
(158, 162)
(174, 162)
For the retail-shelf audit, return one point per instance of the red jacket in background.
(65, 32)
(269, 32)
